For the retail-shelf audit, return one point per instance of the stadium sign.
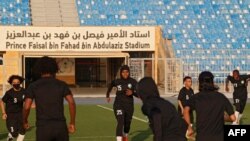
(77, 38)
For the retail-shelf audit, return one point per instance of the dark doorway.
(114, 65)
(97, 72)
(29, 75)
(88, 72)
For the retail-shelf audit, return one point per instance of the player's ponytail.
(206, 82)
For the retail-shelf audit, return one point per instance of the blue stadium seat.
(15, 12)
(221, 26)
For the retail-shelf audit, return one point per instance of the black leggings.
(14, 124)
(123, 114)
(240, 104)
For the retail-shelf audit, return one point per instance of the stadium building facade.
(197, 35)
(86, 56)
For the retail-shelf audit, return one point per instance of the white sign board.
(25, 38)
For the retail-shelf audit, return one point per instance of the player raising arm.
(240, 83)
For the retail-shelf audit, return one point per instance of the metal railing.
(171, 72)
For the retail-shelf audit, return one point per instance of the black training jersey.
(14, 100)
(164, 121)
(184, 95)
(122, 85)
(48, 94)
(210, 107)
(240, 86)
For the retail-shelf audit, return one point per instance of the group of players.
(48, 94)
(212, 108)
(165, 121)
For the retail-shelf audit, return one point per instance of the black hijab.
(147, 89)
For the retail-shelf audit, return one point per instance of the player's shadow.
(141, 135)
(3, 136)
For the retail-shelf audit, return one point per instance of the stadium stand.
(212, 34)
(209, 34)
(54, 13)
(15, 12)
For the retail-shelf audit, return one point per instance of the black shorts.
(240, 102)
(123, 109)
(123, 113)
(52, 131)
(14, 123)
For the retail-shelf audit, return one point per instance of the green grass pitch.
(94, 123)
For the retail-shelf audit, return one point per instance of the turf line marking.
(89, 137)
(105, 107)
(134, 117)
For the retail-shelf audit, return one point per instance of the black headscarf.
(124, 67)
(171, 122)
(147, 88)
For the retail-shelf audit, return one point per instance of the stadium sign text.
(77, 38)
